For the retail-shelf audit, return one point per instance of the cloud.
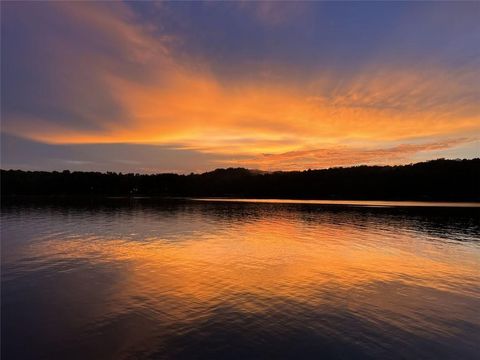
(196, 111)
(55, 57)
(345, 156)
(102, 75)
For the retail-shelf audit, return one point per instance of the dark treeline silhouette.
(454, 180)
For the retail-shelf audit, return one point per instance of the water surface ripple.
(185, 279)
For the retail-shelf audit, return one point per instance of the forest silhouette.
(436, 180)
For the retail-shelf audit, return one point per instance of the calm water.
(139, 279)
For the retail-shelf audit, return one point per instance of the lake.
(201, 279)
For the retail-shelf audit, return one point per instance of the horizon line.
(258, 171)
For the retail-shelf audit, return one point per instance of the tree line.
(436, 180)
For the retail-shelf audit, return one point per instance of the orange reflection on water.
(275, 257)
(141, 275)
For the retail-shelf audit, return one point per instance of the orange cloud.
(343, 156)
(167, 101)
(197, 111)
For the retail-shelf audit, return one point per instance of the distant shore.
(433, 181)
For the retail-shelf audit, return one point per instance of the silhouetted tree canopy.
(454, 180)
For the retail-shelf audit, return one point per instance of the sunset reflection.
(178, 277)
(251, 264)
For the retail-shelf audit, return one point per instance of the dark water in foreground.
(138, 279)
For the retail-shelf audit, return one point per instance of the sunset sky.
(179, 87)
